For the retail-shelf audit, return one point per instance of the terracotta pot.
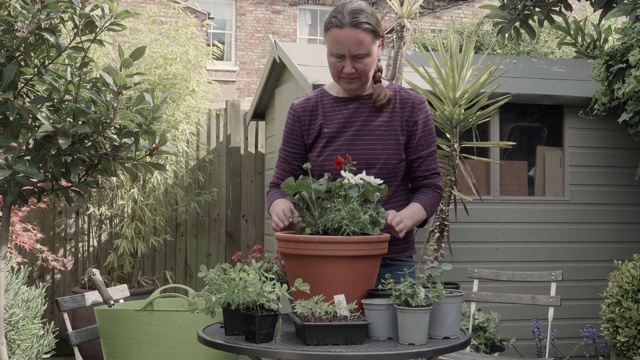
(83, 317)
(333, 264)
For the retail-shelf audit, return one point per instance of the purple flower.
(539, 337)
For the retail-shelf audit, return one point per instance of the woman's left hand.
(396, 223)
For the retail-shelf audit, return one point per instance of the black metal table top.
(289, 346)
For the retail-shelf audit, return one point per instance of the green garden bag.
(158, 328)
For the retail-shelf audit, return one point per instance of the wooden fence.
(234, 221)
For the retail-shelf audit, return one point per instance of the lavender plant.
(541, 340)
(596, 343)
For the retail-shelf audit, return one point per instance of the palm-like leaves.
(403, 9)
(461, 99)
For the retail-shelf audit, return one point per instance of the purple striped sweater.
(397, 145)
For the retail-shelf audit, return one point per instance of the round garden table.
(290, 347)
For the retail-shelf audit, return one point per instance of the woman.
(385, 128)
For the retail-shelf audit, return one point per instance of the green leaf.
(64, 142)
(4, 173)
(156, 166)
(7, 141)
(126, 63)
(8, 73)
(25, 169)
(138, 53)
(121, 54)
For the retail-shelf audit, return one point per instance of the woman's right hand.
(283, 215)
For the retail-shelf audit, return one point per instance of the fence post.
(233, 178)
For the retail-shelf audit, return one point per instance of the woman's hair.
(357, 14)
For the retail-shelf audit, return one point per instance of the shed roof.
(529, 80)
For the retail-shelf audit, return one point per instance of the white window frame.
(320, 36)
(220, 64)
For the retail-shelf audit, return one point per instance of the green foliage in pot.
(248, 286)
(485, 335)
(221, 282)
(346, 206)
(413, 292)
(461, 95)
(220, 288)
(621, 308)
(131, 214)
(28, 337)
(316, 309)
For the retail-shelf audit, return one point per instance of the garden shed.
(564, 198)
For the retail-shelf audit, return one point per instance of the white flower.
(352, 178)
(370, 179)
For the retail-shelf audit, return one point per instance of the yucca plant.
(461, 98)
(401, 31)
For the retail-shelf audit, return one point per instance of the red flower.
(237, 256)
(257, 250)
(338, 162)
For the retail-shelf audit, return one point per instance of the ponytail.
(381, 97)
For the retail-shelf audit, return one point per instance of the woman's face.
(352, 55)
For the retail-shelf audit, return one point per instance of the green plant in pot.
(250, 290)
(620, 309)
(316, 309)
(486, 337)
(413, 299)
(345, 206)
(224, 285)
(338, 235)
(321, 322)
(461, 95)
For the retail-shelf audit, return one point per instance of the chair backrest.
(551, 300)
(66, 304)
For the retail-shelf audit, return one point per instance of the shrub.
(621, 308)
(135, 211)
(617, 69)
(28, 336)
(488, 43)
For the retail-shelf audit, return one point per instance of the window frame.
(494, 169)
(221, 64)
(320, 36)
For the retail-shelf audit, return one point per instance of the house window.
(221, 31)
(311, 24)
(534, 166)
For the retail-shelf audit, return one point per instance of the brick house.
(246, 27)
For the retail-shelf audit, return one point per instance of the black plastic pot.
(232, 320)
(375, 293)
(331, 333)
(259, 328)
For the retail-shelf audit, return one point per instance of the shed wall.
(287, 90)
(581, 234)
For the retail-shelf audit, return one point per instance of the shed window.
(532, 167)
(221, 31)
(311, 24)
